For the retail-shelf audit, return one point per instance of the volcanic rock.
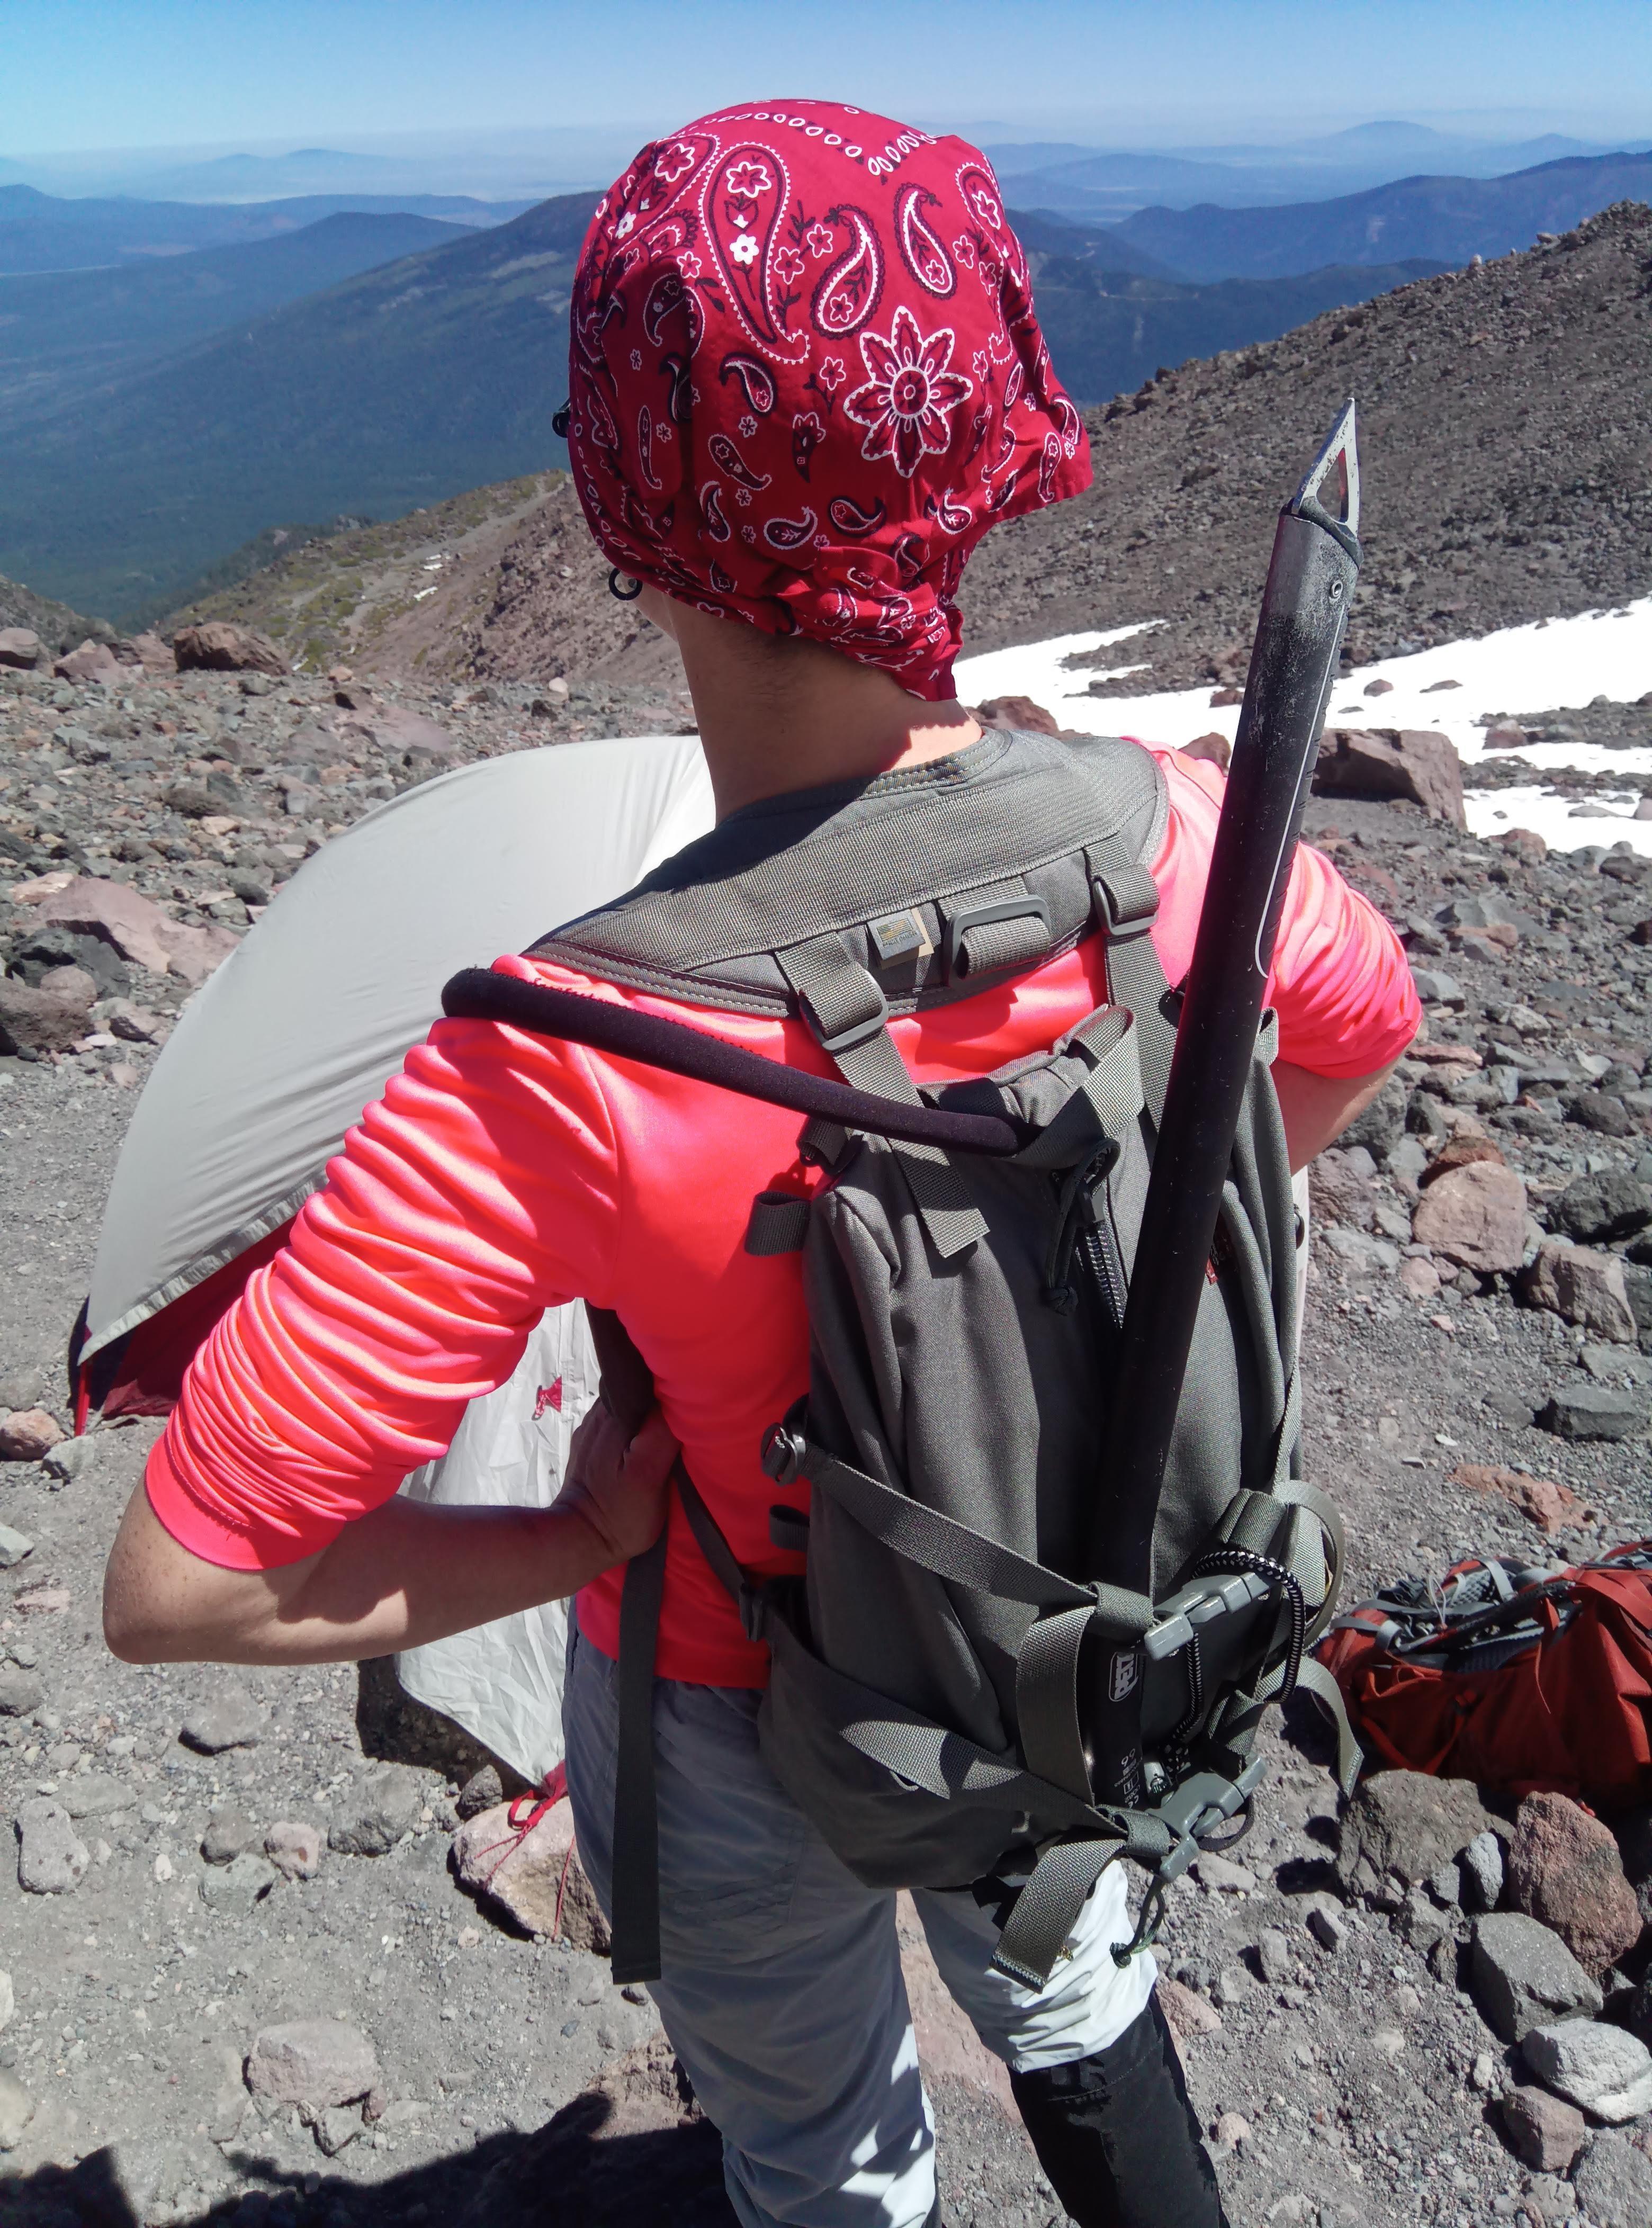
(52, 1858)
(1594, 1411)
(1597, 2067)
(94, 661)
(133, 925)
(1409, 1823)
(536, 1877)
(294, 1849)
(52, 1018)
(378, 1811)
(228, 1832)
(1017, 713)
(1523, 1975)
(1613, 1205)
(1541, 2129)
(229, 1719)
(217, 647)
(1480, 1873)
(1475, 1216)
(1215, 748)
(1613, 2183)
(1392, 762)
(1552, 1507)
(1583, 1286)
(318, 2062)
(1564, 1868)
(27, 1433)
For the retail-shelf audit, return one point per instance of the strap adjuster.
(1126, 900)
(959, 924)
(868, 1022)
(784, 1451)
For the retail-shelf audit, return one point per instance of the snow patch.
(1536, 668)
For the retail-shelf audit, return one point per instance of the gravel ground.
(1356, 2086)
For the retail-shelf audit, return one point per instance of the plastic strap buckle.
(959, 924)
(784, 1451)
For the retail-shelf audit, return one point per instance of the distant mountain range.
(63, 333)
(50, 231)
(1108, 185)
(429, 374)
(154, 416)
(1445, 219)
(1109, 329)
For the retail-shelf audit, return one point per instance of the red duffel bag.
(1520, 1678)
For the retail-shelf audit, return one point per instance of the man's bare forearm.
(406, 1574)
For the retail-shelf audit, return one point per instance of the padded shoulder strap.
(934, 877)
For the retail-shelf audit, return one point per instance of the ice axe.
(1293, 665)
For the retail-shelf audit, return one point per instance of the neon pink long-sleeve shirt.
(502, 1174)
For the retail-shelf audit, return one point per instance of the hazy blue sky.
(126, 74)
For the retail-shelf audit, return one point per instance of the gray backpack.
(965, 1267)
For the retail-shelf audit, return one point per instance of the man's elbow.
(136, 1631)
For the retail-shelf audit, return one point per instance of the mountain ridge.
(1507, 478)
(1446, 219)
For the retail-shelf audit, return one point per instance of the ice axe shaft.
(1293, 665)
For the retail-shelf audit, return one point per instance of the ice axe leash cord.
(1299, 637)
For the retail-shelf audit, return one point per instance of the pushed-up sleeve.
(480, 1190)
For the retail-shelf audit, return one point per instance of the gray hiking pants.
(781, 1988)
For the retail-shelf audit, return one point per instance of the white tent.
(281, 1049)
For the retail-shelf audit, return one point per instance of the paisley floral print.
(806, 376)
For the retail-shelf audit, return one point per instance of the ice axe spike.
(1299, 634)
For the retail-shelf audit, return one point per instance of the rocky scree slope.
(1505, 430)
(194, 1874)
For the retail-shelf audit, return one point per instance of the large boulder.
(1409, 1823)
(1597, 2067)
(21, 648)
(1523, 1975)
(114, 913)
(1614, 2182)
(1475, 1216)
(93, 661)
(53, 1017)
(1584, 1286)
(1564, 1868)
(217, 647)
(1602, 1207)
(1385, 762)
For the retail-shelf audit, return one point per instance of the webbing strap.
(967, 1558)
(778, 1223)
(636, 1890)
(1297, 1493)
(946, 1765)
(1126, 901)
(1325, 1691)
(846, 1012)
(1046, 1699)
(1047, 1908)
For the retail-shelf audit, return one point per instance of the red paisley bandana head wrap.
(807, 377)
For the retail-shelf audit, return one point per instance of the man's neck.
(806, 717)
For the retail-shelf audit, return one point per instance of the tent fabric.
(277, 1055)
